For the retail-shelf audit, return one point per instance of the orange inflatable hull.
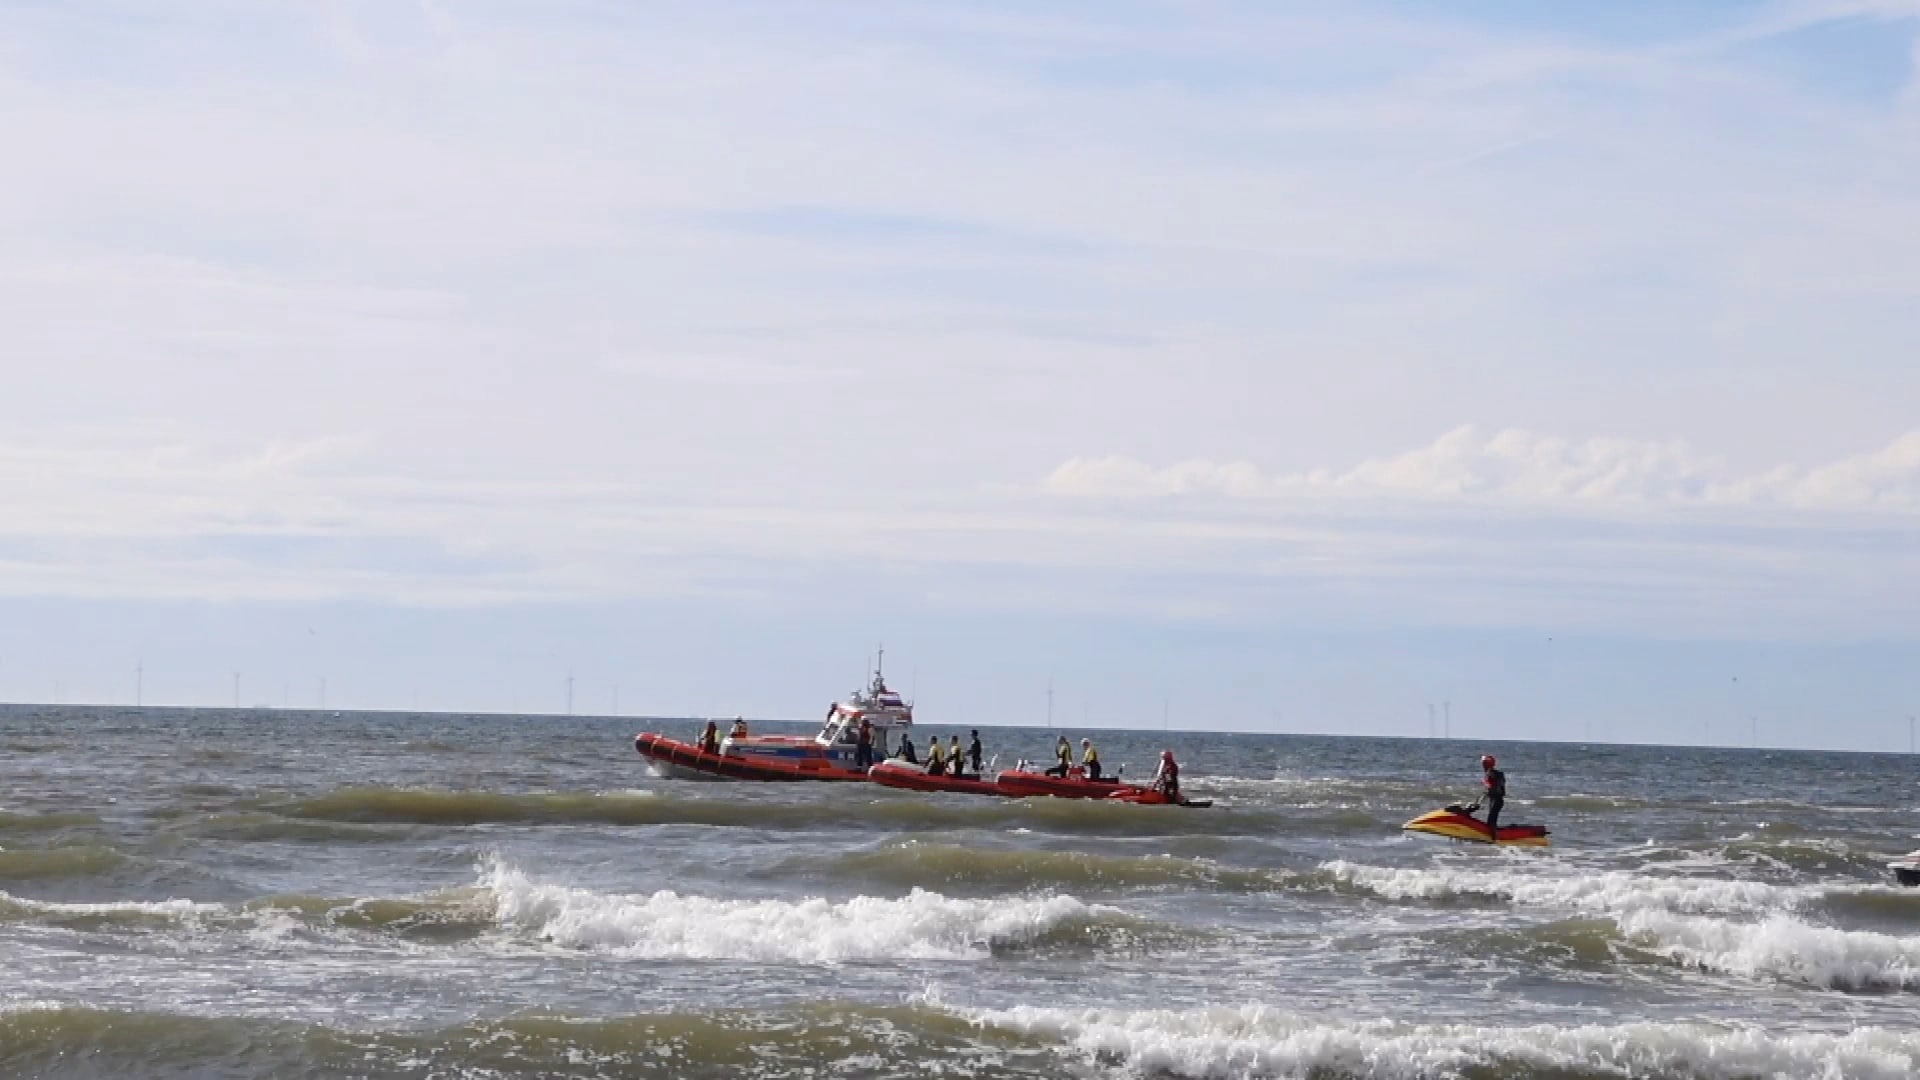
(689, 756)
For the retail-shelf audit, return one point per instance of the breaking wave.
(1254, 1041)
(920, 925)
(1248, 1042)
(1781, 947)
(1744, 928)
(1608, 892)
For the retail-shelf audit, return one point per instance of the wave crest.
(920, 925)
(1256, 1041)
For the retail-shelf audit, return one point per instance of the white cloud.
(532, 263)
(1521, 467)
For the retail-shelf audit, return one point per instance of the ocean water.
(239, 894)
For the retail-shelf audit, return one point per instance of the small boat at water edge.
(828, 755)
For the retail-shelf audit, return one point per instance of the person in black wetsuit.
(906, 749)
(973, 751)
(1494, 798)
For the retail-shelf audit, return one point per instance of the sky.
(1284, 367)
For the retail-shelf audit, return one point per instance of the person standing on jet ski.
(1494, 798)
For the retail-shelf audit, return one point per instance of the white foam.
(1745, 928)
(921, 925)
(1782, 947)
(175, 908)
(1605, 893)
(1254, 1040)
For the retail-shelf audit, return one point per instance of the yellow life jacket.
(1092, 756)
(936, 753)
(1065, 753)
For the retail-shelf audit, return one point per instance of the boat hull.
(1456, 824)
(909, 777)
(682, 758)
(1021, 784)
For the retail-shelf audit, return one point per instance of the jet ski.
(1906, 868)
(1458, 823)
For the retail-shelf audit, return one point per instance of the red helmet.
(1486, 761)
(1166, 755)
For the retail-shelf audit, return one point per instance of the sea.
(234, 893)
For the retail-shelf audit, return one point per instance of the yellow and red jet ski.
(1458, 823)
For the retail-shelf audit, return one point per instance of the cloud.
(1525, 468)
(562, 301)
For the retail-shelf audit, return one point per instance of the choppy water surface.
(249, 894)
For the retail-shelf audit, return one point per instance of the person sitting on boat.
(1167, 780)
(973, 751)
(739, 728)
(1089, 759)
(1062, 750)
(956, 760)
(863, 745)
(906, 749)
(936, 757)
(1495, 796)
(710, 738)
